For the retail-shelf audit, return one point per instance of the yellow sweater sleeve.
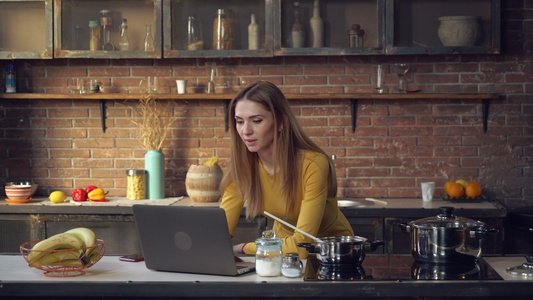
(232, 203)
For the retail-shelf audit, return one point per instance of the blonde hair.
(289, 143)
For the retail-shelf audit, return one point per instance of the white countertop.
(111, 269)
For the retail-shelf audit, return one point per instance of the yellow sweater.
(314, 212)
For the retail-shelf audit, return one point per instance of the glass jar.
(268, 256)
(94, 86)
(94, 36)
(222, 31)
(194, 34)
(136, 184)
(292, 266)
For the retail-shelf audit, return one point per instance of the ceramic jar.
(459, 31)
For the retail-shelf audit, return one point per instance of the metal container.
(341, 250)
(446, 238)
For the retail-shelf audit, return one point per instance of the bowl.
(18, 192)
(59, 263)
(34, 186)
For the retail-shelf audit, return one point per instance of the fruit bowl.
(465, 198)
(64, 262)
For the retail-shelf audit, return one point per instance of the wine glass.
(400, 69)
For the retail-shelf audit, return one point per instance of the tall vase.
(154, 164)
(317, 27)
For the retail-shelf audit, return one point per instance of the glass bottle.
(124, 42)
(253, 34)
(268, 256)
(317, 27)
(194, 37)
(94, 36)
(107, 26)
(297, 31)
(11, 78)
(149, 40)
(136, 184)
(222, 31)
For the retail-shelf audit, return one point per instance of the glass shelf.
(338, 17)
(26, 29)
(176, 14)
(71, 31)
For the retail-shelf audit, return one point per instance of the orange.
(473, 189)
(447, 186)
(455, 190)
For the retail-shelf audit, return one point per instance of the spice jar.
(136, 184)
(268, 256)
(94, 86)
(292, 265)
(94, 36)
(222, 31)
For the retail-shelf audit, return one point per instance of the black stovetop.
(398, 267)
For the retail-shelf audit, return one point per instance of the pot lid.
(446, 219)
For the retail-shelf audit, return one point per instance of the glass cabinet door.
(214, 28)
(26, 29)
(93, 29)
(329, 27)
(443, 26)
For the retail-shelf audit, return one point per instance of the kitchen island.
(111, 278)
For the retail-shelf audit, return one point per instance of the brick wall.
(398, 143)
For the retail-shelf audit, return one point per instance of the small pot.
(446, 238)
(341, 250)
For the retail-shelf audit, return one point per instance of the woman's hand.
(238, 249)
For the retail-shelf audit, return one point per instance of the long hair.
(243, 169)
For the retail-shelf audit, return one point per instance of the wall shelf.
(354, 98)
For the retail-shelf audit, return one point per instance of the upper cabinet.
(332, 27)
(214, 28)
(26, 29)
(245, 28)
(443, 26)
(93, 29)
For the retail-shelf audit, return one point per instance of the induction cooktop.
(398, 267)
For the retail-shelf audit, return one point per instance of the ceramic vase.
(459, 31)
(154, 164)
(253, 34)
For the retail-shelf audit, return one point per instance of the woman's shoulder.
(312, 157)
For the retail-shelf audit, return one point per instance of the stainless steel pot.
(446, 238)
(341, 250)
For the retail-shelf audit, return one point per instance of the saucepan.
(446, 238)
(341, 250)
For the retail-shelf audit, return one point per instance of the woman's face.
(255, 126)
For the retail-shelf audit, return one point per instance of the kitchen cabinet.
(412, 26)
(338, 18)
(199, 19)
(384, 27)
(71, 27)
(26, 29)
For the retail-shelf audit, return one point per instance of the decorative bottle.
(297, 31)
(107, 26)
(149, 40)
(124, 42)
(11, 78)
(317, 27)
(253, 34)
(94, 36)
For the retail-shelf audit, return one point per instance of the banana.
(55, 242)
(85, 234)
(58, 258)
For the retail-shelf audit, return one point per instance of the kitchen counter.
(113, 278)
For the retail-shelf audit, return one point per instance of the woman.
(275, 167)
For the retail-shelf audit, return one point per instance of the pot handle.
(308, 246)
(479, 234)
(405, 228)
(371, 246)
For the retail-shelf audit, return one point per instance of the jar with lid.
(94, 86)
(94, 36)
(268, 257)
(292, 266)
(222, 31)
(136, 184)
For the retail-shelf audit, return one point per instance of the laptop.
(187, 239)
